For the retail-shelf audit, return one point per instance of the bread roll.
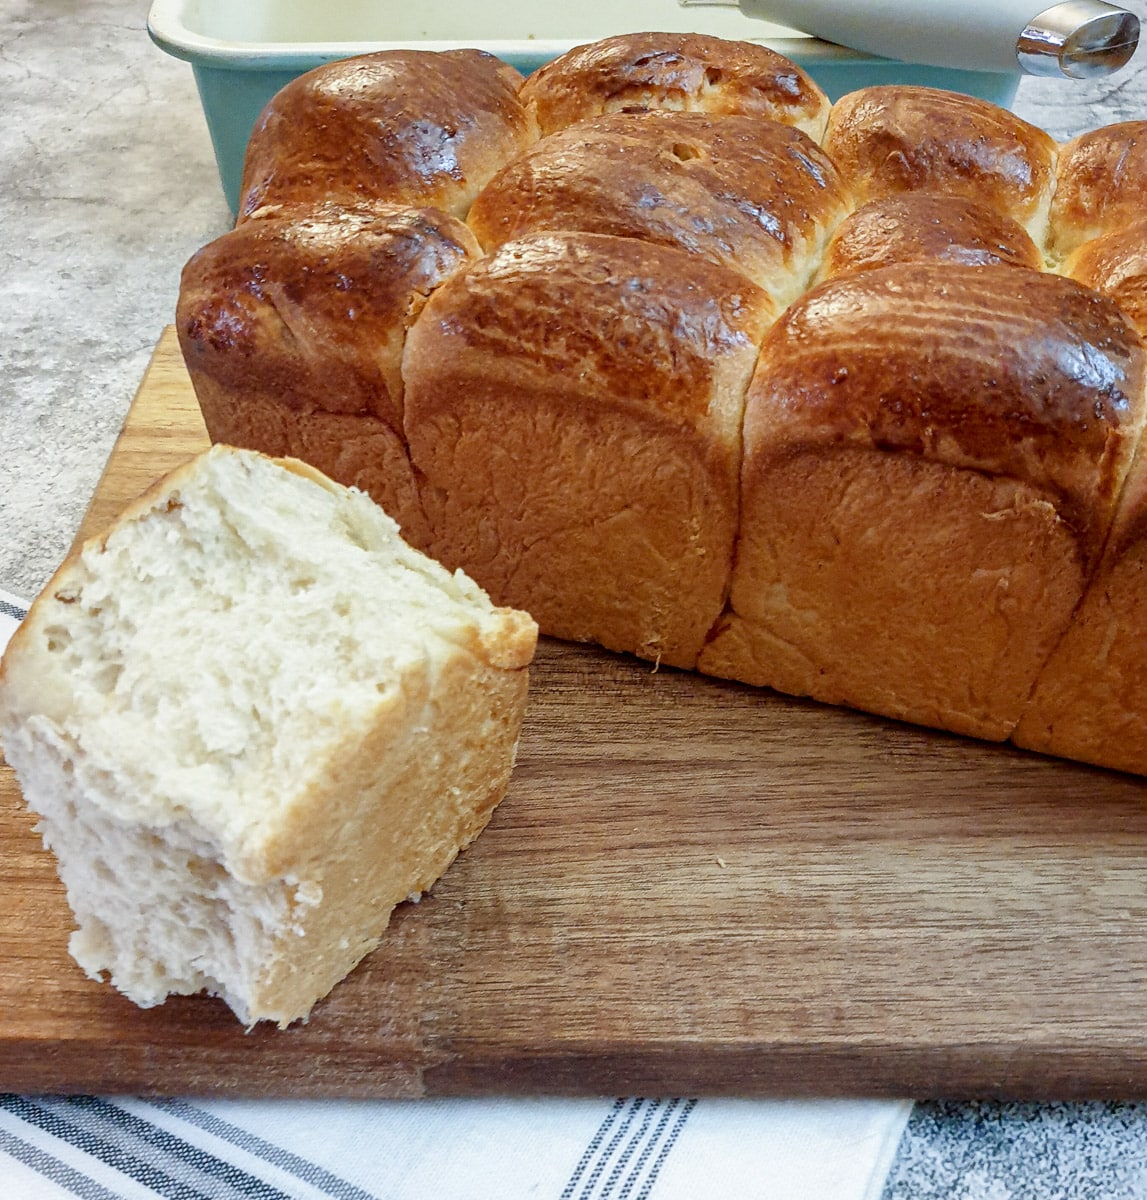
(932, 458)
(252, 721)
(893, 139)
(407, 126)
(689, 72)
(1116, 265)
(574, 403)
(927, 227)
(292, 326)
(1101, 179)
(750, 195)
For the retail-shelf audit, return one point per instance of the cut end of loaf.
(252, 720)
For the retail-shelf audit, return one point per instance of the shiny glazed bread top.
(688, 72)
(756, 196)
(1100, 183)
(908, 243)
(285, 302)
(889, 140)
(410, 126)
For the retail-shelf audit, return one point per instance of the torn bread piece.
(252, 720)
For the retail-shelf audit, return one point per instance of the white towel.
(489, 1149)
(122, 1148)
(12, 610)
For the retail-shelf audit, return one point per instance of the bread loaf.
(845, 400)
(252, 721)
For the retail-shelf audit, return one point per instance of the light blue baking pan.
(243, 51)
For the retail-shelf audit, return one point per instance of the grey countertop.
(107, 185)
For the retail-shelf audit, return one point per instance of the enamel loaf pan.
(242, 54)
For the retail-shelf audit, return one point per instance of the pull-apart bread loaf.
(252, 720)
(842, 399)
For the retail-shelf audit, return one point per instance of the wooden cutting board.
(691, 888)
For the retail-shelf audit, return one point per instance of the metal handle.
(1081, 39)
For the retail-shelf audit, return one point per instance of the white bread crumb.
(252, 720)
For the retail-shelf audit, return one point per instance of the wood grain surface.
(691, 888)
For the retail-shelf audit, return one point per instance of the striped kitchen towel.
(488, 1149)
(125, 1148)
(12, 610)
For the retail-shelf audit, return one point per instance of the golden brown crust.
(589, 319)
(1101, 181)
(754, 196)
(693, 72)
(1116, 265)
(577, 394)
(292, 326)
(313, 306)
(924, 227)
(574, 404)
(932, 458)
(990, 369)
(892, 139)
(407, 126)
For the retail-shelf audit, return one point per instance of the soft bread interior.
(252, 721)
